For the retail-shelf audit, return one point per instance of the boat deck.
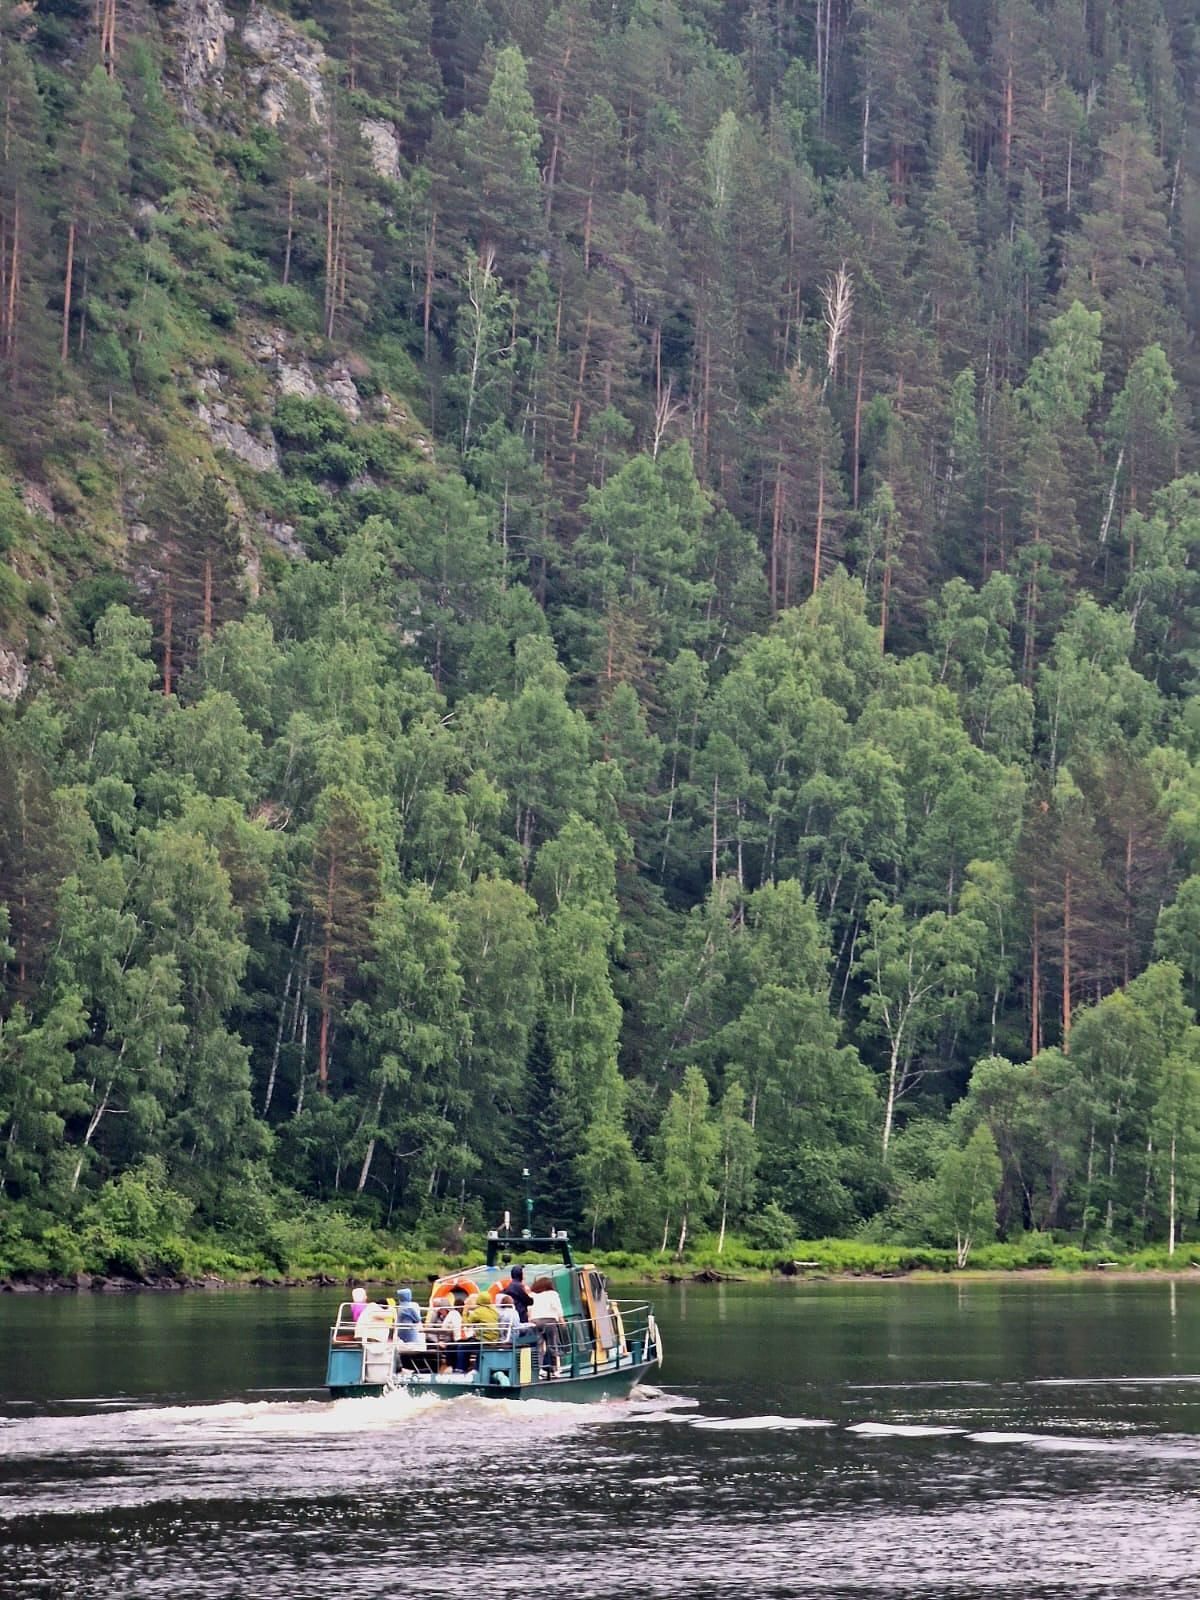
(378, 1361)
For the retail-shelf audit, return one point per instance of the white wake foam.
(902, 1430)
(760, 1424)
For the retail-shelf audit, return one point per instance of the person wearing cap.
(520, 1295)
(358, 1304)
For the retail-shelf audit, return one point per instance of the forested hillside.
(602, 587)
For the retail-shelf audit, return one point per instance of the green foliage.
(966, 1193)
(771, 1228)
(134, 1224)
(716, 730)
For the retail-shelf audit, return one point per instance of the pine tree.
(500, 169)
(802, 453)
(201, 561)
(94, 159)
(949, 265)
(1015, 44)
(385, 45)
(346, 273)
(342, 893)
(24, 327)
(892, 61)
(1144, 438)
(1122, 262)
(553, 1140)
(288, 201)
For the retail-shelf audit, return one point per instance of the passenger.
(409, 1330)
(509, 1321)
(521, 1297)
(358, 1304)
(451, 1333)
(483, 1317)
(546, 1314)
(376, 1323)
(466, 1354)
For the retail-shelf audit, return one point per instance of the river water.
(1017, 1438)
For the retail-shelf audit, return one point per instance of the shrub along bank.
(132, 1239)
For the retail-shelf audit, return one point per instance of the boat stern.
(344, 1369)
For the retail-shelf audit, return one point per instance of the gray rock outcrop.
(225, 429)
(283, 56)
(14, 675)
(202, 26)
(383, 147)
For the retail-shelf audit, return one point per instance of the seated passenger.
(450, 1333)
(466, 1352)
(408, 1320)
(483, 1318)
(376, 1322)
(438, 1307)
(358, 1304)
(509, 1322)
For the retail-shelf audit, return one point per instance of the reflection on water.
(906, 1440)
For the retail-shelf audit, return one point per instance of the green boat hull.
(616, 1384)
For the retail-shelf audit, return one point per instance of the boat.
(605, 1347)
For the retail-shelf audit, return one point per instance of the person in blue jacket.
(408, 1318)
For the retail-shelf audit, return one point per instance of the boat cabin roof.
(519, 1247)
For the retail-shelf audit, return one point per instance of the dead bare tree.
(837, 298)
(665, 412)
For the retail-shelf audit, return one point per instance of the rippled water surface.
(1020, 1439)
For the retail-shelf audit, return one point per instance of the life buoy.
(451, 1287)
(653, 1336)
(442, 1296)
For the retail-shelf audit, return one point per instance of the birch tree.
(965, 1194)
(736, 1157)
(1175, 1130)
(918, 975)
(688, 1151)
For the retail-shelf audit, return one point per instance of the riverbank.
(805, 1260)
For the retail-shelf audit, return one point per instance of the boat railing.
(633, 1337)
(634, 1340)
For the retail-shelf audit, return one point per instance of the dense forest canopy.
(602, 587)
